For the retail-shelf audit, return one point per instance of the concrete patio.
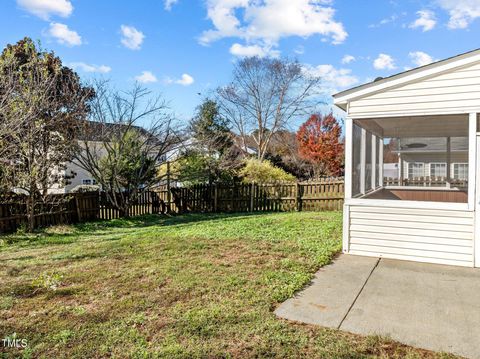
(428, 306)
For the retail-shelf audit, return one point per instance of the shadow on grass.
(160, 220)
(45, 236)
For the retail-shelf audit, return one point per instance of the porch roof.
(342, 98)
(418, 126)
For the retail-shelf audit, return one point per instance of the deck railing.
(425, 182)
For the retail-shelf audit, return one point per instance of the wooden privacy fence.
(70, 208)
(147, 202)
(81, 207)
(59, 209)
(327, 194)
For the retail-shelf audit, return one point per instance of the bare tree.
(42, 103)
(265, 96)
(6, 98)
(128, 136)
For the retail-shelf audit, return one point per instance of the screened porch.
(417, 158)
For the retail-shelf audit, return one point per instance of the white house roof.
(341, 99)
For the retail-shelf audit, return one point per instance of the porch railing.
(425, 182)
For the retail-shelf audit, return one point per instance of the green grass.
(190, 286)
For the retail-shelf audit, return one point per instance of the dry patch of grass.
(181, 287)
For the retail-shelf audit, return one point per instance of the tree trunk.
(31, 212)
(124, 211)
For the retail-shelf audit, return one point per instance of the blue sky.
(182, 48)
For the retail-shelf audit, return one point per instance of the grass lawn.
(186, 286)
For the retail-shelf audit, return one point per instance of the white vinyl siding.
(453, 91)
(424, 235)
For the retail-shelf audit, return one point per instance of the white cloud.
(266, 22)
(299, 50)
(347, 59)
(384, 62)
(426, 20)
(420, 58)
(253, 50)
(385, 21)
(82, 66)
(146, 77)
(131, 37)
(462, 12)
(64, 35)
(169, 3)
(46, 8)
(332, 79)
(185, 80)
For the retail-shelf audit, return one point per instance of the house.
(424, 159)
(95, 135)
(432, 113)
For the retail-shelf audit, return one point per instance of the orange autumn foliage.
(320, 143)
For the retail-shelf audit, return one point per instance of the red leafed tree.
(321, 144)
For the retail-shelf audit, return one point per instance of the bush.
(263, 172)
(198, 168)
(84, 188)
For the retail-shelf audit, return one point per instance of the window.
(415, 170)
(89, 182)
(438, 170)
(460, 171)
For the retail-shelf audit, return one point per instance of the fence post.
(77, 207)
(252, 195)
(215, 198)
(298, 197)
(169, 195)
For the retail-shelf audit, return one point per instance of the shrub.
(195, 167)
(84, 188)
(263, 172)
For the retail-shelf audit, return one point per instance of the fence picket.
(307, 196)
(256, 197)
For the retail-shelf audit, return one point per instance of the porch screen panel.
(356, 159)
(368, 162)
(379, 145)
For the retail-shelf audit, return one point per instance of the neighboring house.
(432, 112)
(80, 177)
(95, 138)
(390, 170)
